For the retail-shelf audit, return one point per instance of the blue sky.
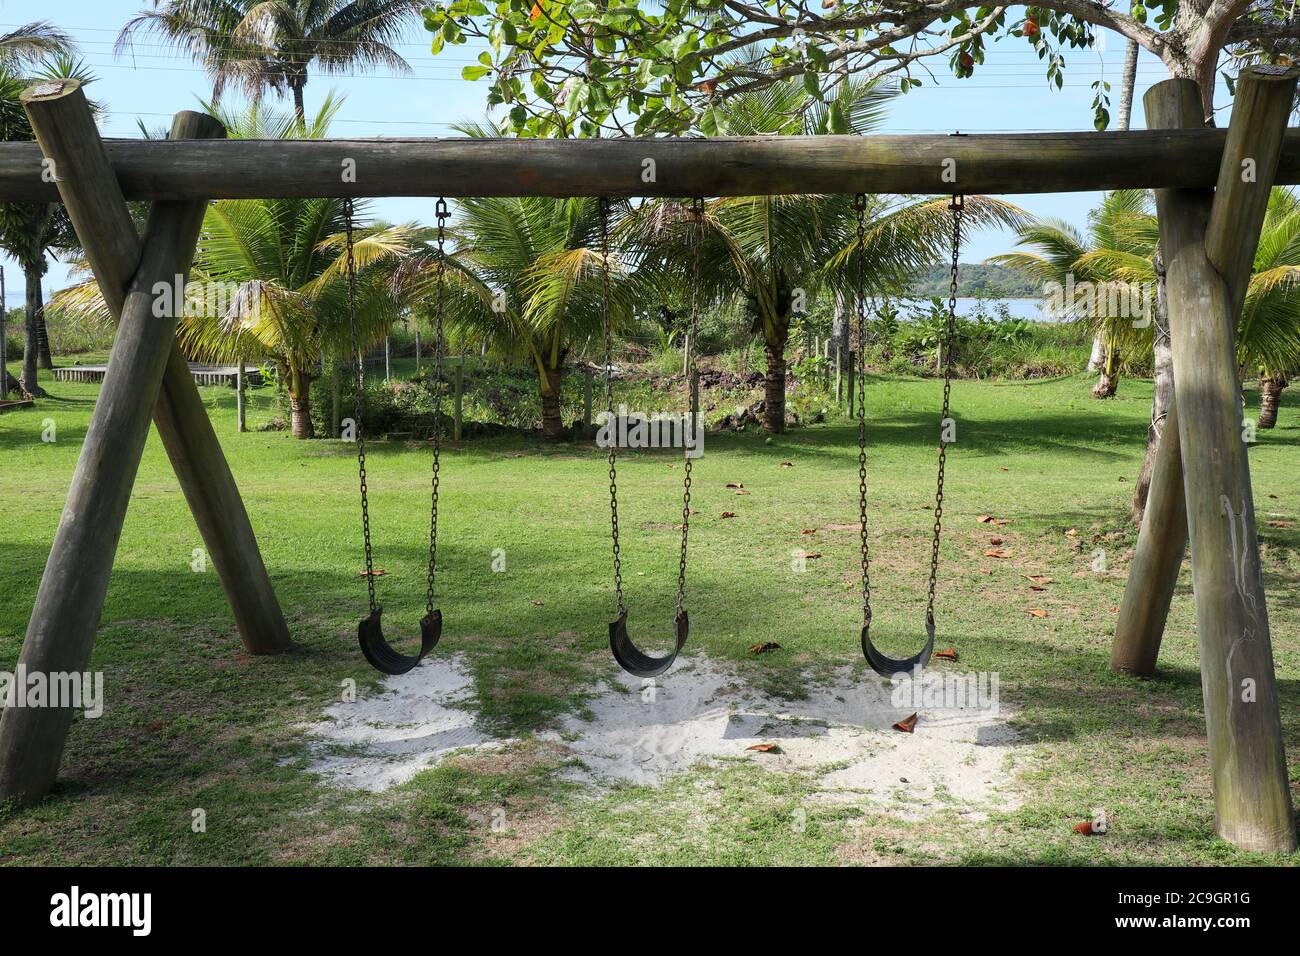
(1008, 94)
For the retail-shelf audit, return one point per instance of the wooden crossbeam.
(770, 165)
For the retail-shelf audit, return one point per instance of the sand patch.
(644, 732)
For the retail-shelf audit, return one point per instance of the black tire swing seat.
(630, 657)
(381, 655)
(879, 662)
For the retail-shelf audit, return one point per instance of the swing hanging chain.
(692, 393)
(860, 209)
(607, 319)
(359, 398)
(439, 349)
(958, 206)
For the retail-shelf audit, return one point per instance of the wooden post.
(1162, 537)
(241, 422)
(67, 133)
(456, 401)
(1247, 757)
(71, 594)
(1256, 135)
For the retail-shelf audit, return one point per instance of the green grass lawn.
(192, 722)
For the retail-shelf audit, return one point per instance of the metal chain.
(609, 400)
(438, 350)
(697, 216)
(958, 206)
(860, 363)
(359, 401)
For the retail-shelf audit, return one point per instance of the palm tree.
(31, 231)
(283, 262)
(1117, 248)
(261, 45)
(526, 279)
(772, 252)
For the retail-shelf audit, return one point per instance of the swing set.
(387, 659)
(1210, 214)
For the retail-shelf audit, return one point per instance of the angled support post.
(1254, 146)
(1209, 245)
(64, 127)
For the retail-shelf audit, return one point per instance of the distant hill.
(976, 279)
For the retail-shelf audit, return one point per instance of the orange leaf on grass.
(1281, 524)
(907, 725)
(996, 553)
(742, 491)
(1038, 578)
(1035, 612)
(949, 654)
(808, 531)
(728, 514)
(765, 748)
(1087, 828)
(810, 555)
(764, 647)
(377, 572)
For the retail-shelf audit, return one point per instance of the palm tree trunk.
(1164, 393)
(1108, 380)
(774, 383)
(1127, 83)
(1098, 357)
(31, 348)
(300, 404)
(552, 393)
(299, 108)
(1270, 396)
(44, 359)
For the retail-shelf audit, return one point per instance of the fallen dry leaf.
(765, 748)
(742, 491)
(787, 464)
(1039, 578)
(764, 647)
(950, 654)
(377, 572)
(996, 553)
(808, 531)
(907, 725)
(735, 484)
(1088, 828)
(1037, 587)
(1072, 533)
(1281, 524)
(728, 514)
(995, 540)
(537, 603)
(1035, 612)
(810, 555)
(707, 86)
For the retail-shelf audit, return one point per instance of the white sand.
(697, 712)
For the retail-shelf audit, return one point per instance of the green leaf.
(475, 72)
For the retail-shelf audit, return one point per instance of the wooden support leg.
(71, 594)
(1162, 540)
(66, 132)
(1248, 760)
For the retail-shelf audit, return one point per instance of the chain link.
(609, 400)
(958, 206)
(359, 400)
(439, 350)
(860, 365)
(692, 394)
